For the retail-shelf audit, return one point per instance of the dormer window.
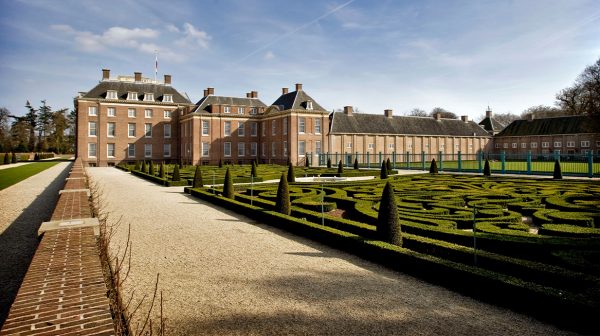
(149, 97)
(132, 96)
(168, 98)
(226, 109)
(111, 94)
(253, 110)
(309, 105)
(240, 110)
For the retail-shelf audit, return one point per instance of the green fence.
(587, 165)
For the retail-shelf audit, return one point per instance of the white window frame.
(570, 144)
(505, 145)
(241, 131)
(167, 114)
(557, 144)
(371, 146)
(301, 125)
(253, 110)
(147, 130)
(111, 126)
(497, 145)
(349, 145)
(523, 144)
(93, 110)
(167, 131)
(585, 143)
(514, 145)
(108, 150)
(309, 105)
(131, 113)
(533, 144)
(226, 109)
(285, 125)
(111, 112)
(92, 128)
(130, 147)
(130, 129)
(318, 147)
(167, 98)
(148, 96)
(148, 113)
(253, 148)
(253, 128)
(241, 149)
(301, 148)
(132, 96)
(111, 94)
(227, 128)
(285, 149)
(273, 149)
(167, 150)
(147, 150)
(92, 148)
(240, 110)
(205, 127)
(317, 126)
(545, 144)
(227, 149)
(205, 148)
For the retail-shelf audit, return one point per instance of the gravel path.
(12, 165)
(223, 274)
(23, 207)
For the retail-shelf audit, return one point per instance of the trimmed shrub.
(384, 172)
(340, 168)
(253, 170)
(282, 203)
(198, 183)
(388, 165)
(228, 186)
(328, 163)
(388, 225)
(144, 167)
(486, 168)
(161, 170)
(137, 166)
(150, 168)
(6, 158)
(557, 171)
(306, 162)
(433, 169)
(291, 178)
(14, 158)
(176, 176)
(220, 163)
(355, 163)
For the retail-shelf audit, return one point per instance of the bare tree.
(505, 118)
(542, 111)
(417, 112)
(5, 143)
(584, 96)
(445, 113)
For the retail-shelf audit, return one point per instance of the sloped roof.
(490, 124)
(296, 100)
(380, 124)
(557, 125)
(123, 88)
(205, 102)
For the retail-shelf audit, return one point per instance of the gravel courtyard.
(224, 274)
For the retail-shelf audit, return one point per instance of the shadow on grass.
(19, 241)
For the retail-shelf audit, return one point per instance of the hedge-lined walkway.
(222, 274)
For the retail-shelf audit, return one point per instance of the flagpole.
(155, 64)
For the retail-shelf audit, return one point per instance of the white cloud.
(193, 37)
(172, 28)
(269, 55)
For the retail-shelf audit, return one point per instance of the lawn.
(10, 176)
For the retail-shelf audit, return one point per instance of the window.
(273, 127)
(227, 128)
(240, 110)
(285, 149)
(148, 130)
(514, 145)
(505, 145)
(253, 147)
(110, 129)
(111, 112)
(349, 145)
(167, 150)
(317, 126)
(91, 150)
(409, 146)
(148, 113)
(263, 128)
(149, 97)
(131, 150)
(442, 146)
(148, 150)
(285, 125)
(111, 94)
(167, 98)
(545, 144)
(301, 125)
(457, 147)
(253, 110)
(93, 110)
(309, 105)
(391, 146)
(301, 148)
(92, 128)
(570, 143)
(131, 130)
(318, 147)
(370, 146)
(167, 114)
(227, 149)
(205, 148)
(557, 144)
(585, 144)
(533, 145)
(132, 96)
(131, 113)
(205, 127)
(241, 149)
(497, 145)
(226, 109)
(263, 149)
(253, 129)
(241, 129)
(273, 149)
(167, 130)
(110, 150)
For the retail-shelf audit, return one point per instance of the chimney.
(211, 91)
(254, 94)
(348, 110)
(205, 92)
(138, 76)
(167, 79)
(388, 113)
(298, 87)
(437, 116)
(488, 112)
(284, 91)
(105, 74)
(464, 118)
(248, 94)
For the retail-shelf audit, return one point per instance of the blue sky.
(459, 55)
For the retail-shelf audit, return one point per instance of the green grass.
(10, 176)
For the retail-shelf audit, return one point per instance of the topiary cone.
(198, 183)
(282, 203)
(6, 158)
(150, 168)
(14, 158)
(176, 176)
(486, 168)
(433, 169)
(161, 170)
(388, 225)
(253, 172)
(383, 174)
(144, 167)
(291, 177)
(328, 163)
(340, 168)
(557, 170)
(388, 165)
(228, 186)
(355, 163)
